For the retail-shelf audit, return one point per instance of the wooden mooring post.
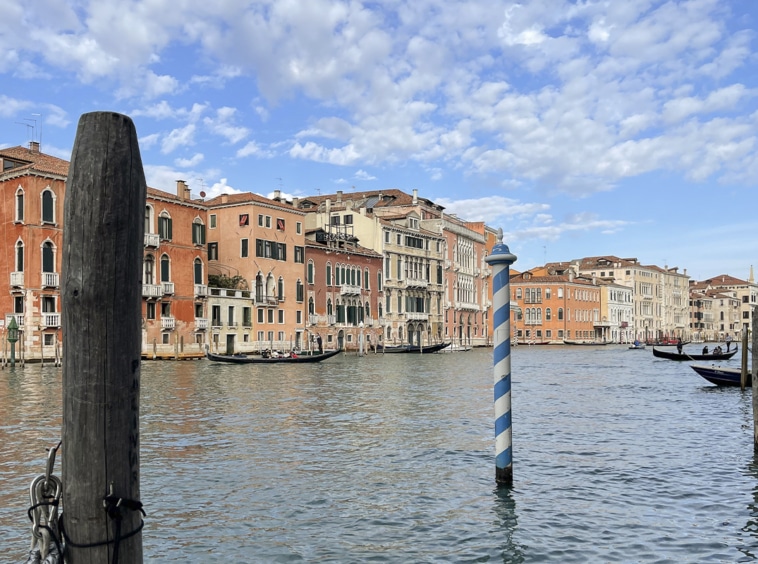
(754, 376)
(101, 293)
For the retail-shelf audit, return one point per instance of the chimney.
(277, 195)
(182, 190)
(224, 198)
(339, 196)
(328, 206)
(34, 146)
(571, 274)
(295, 202)
(415, 196)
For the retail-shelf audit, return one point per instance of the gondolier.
(728, 342)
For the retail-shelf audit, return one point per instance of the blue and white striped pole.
(501, 259)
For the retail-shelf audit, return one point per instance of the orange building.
(174, 274)
(260, 244)
(553, 308)
(344, 289)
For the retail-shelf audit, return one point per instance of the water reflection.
(507, 525)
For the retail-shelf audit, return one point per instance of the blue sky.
(581, 128)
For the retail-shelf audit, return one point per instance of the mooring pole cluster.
(501, 259)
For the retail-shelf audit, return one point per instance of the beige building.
(734, 309)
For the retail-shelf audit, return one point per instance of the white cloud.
(180, 137)
(193, 161)
(363, 175)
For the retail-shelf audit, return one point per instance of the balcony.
(267, 301)
(331, 319)
(350, 290)
(17, 279)
(152, 240)
(152, 290)
(216, 324)
(168, 288)
(447, 264)
(50, 279)
(416, 283)
(417, 316)
(467, 306)
(19, 319)
(168, 323)
(201, 290)
(201, 324)
(51, 319)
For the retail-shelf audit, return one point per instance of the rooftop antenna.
(280, 181)
(39, 138)
(30, 127)
(544, 253)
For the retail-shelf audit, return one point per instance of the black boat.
(722, 376)
(245, 359)
(415, 348)
(687, 356)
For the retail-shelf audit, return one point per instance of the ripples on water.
(618, 457)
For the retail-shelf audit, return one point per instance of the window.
(279, 224)
(165, 309)
(547, 293)
(244, 219)
(335, 220)
(243, 248)
(148, 276)
(165, 269)
(299, 293)
(199, 310)
(150, 310)
(386, 236)
(260, 315)
(280, 289)
(328, 274)
(268, 221)
(212, 221)
(299, 317)
(48, 257)
(20, 256)
(548, 314)
(281, 316)
(19, 205)
(560, 314)
(311, 272)
(299, 227)
(270, 316)
(299, 254)
(198, 271)
(348, 219)
(379, 281)
(165, 228)
(48, 206)
(560, 292)
(397, 238)
(198, 232)
(260, 220)
(212, 251)
(230, 317)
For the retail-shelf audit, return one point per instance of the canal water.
(618, 457)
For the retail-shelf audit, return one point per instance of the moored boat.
(721, 375)
(415, 348)
(693, 356)
(588, 343)
(245, 359)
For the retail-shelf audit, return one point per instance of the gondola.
(687, 356)
(722, 376)
(586, 343)
(244, 359)
(415, 349)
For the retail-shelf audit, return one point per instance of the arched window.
(299, 290)
(48, 257)
(259, 293)
(148, 276)
(20, 256)
(198, 271)
(198, 232)
(20, 204)
(329, 307)
(165, 227)
(560, 313)
(311, 272)
(48, 206)
(365, 279)
(280, 289)
(311, 307)
(149, 219)
(368, 310)
(379, 281)
(548, 314)
(165, 269)
(328, 273)
(270, 286)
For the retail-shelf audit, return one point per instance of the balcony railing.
(201, 290)
(417, 315)
(331, 319)
(168, 288)
(51, 319)
(19, 319)
(201, 324)
(50, 279)
(216, 323)
(467, 306)
(168, 322)
(350, 290)
(269, 301)
(152, 240)
(416, 283)
(17, 278)
(152, 290)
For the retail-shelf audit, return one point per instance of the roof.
(31, 160)
(367, 199)
(249, 198)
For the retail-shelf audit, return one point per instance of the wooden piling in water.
(101, 298)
